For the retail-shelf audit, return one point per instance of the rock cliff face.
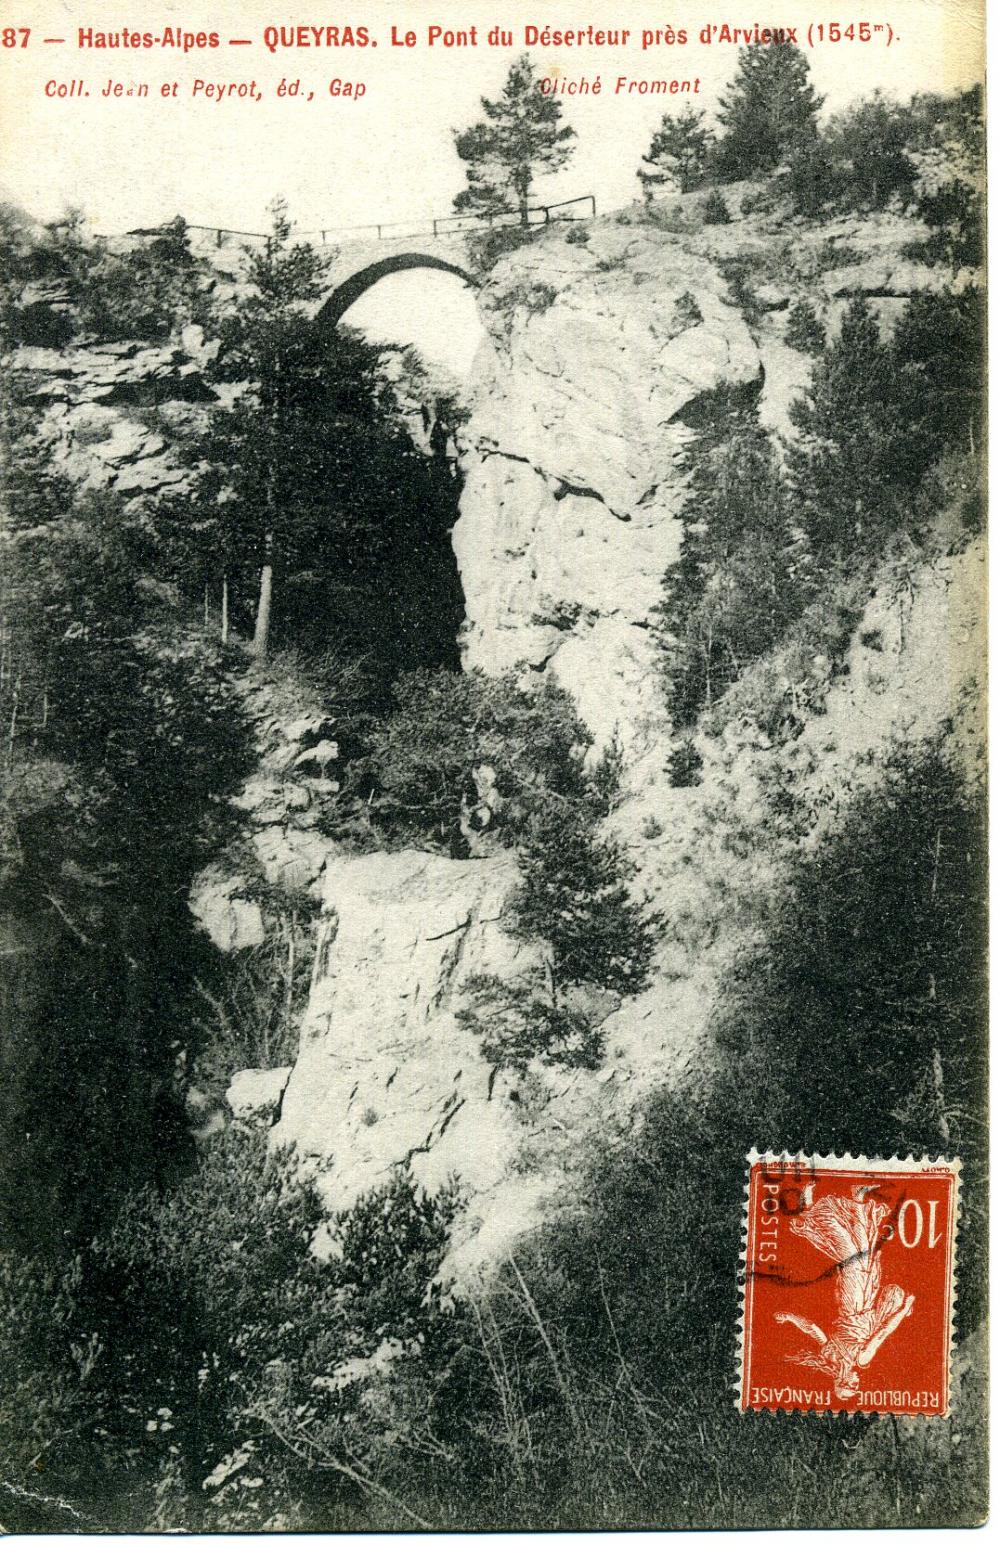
(572, 484)
(582, 401)
(95, 399)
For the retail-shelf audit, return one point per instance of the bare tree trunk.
(206, 606)
(290, 976)
(13, 721)
(225, 608)
(262, 628)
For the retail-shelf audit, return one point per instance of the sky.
(390, 155)
(342, 161)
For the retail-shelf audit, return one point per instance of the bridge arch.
(344, 296)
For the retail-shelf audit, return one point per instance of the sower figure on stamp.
(847, 1230)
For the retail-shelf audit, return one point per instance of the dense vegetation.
(173, 1352)
(772, 532)
(200, 1348)
(125, 727)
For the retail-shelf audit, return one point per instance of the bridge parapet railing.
(215, 236)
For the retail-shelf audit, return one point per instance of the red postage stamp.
(849, 1284)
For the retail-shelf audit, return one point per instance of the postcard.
(492, 831)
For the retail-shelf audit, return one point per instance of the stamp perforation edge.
(845, 1162)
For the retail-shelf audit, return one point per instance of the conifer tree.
(846, 467)
(768, 111)
(520, 138)
(311, 500)
(255, 447)
(677, 154)
(733, 589)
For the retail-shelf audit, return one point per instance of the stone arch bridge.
(361, 256)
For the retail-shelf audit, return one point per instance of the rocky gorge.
(600, 344)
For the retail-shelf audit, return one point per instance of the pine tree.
(677, 154)
(847, 467)
(869, 147)
(311, 498)
(520, 139)
(264, 460)
(733, 590)
(769, 110)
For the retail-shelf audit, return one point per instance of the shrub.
(733, 590)
(47, 1362)
(518, 1021)
(684, 765)
(186, 1366)
(391, 1244)
(779, 692)
(848, 468)
(604, 784)
(868, 150)
(811, 178)
(148, 292)
(470, 752)
(715, 210)
(829, 254)
(678, 153)
(877, 415)
(954, 211)
(577, 236)
(574, 895)
(487, 247)
(529, 297)
(803, 329)
(249, 1007)
(937, 350)
(672, 215)
(687, 310)
(739, 273)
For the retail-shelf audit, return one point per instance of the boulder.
(292, 858)
(230, 920)
(254, 1095)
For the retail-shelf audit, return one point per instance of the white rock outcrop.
(254, 1094)
(572, 484)
(385, 1074)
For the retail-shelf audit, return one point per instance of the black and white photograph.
(492, 768)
